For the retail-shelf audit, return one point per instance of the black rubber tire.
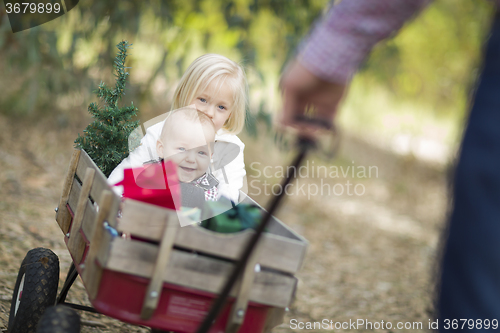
(59, 319)
(35, 290)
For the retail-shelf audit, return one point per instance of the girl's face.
(217, 104)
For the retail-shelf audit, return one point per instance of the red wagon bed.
(165, 276)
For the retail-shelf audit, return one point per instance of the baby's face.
(187, 145)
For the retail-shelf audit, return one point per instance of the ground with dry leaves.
(370, 257)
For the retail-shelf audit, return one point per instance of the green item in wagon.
(240, 217)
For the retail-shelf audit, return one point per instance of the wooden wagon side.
(163, 266)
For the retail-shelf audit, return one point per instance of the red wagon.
(164, 276)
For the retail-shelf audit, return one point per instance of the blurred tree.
(59, 59)
(50, 68)
(435, 59)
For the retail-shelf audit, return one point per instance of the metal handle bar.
(304, 145)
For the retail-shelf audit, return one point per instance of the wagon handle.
(304, 144)
(326, 134)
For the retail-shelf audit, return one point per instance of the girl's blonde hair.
(215, 68)
(188, 114)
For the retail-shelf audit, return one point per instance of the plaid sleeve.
(342, 40)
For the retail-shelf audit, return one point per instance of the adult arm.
(335, 49)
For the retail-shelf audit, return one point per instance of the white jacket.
(229, 185)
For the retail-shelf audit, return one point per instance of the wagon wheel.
(35, 290)
(59, 319)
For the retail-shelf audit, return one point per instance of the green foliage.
(434, 60)
(106, 139)
(431, 63)
(61, 58)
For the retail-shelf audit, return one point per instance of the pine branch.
(106, 139)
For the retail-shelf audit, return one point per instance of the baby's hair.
(215, 68)
(188, 114)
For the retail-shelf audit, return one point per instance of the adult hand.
(303, 91)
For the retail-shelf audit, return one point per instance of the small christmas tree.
(106, 139)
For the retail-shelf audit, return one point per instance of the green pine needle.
(106, 139)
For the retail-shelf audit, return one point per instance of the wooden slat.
(63, 217)
(90, 210)
(88, 220)
(239, 307)
(76, 243)
(74, 194)
(105, 249)
(107, 239)
(92, 273)
(144, 220)
(278, 252)
(155, 285)
(275, 317)
(100, 181)
(197, 272)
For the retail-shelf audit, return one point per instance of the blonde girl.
(216, 86)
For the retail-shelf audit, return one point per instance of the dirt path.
(370, 256)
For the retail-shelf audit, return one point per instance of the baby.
(187, 139)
